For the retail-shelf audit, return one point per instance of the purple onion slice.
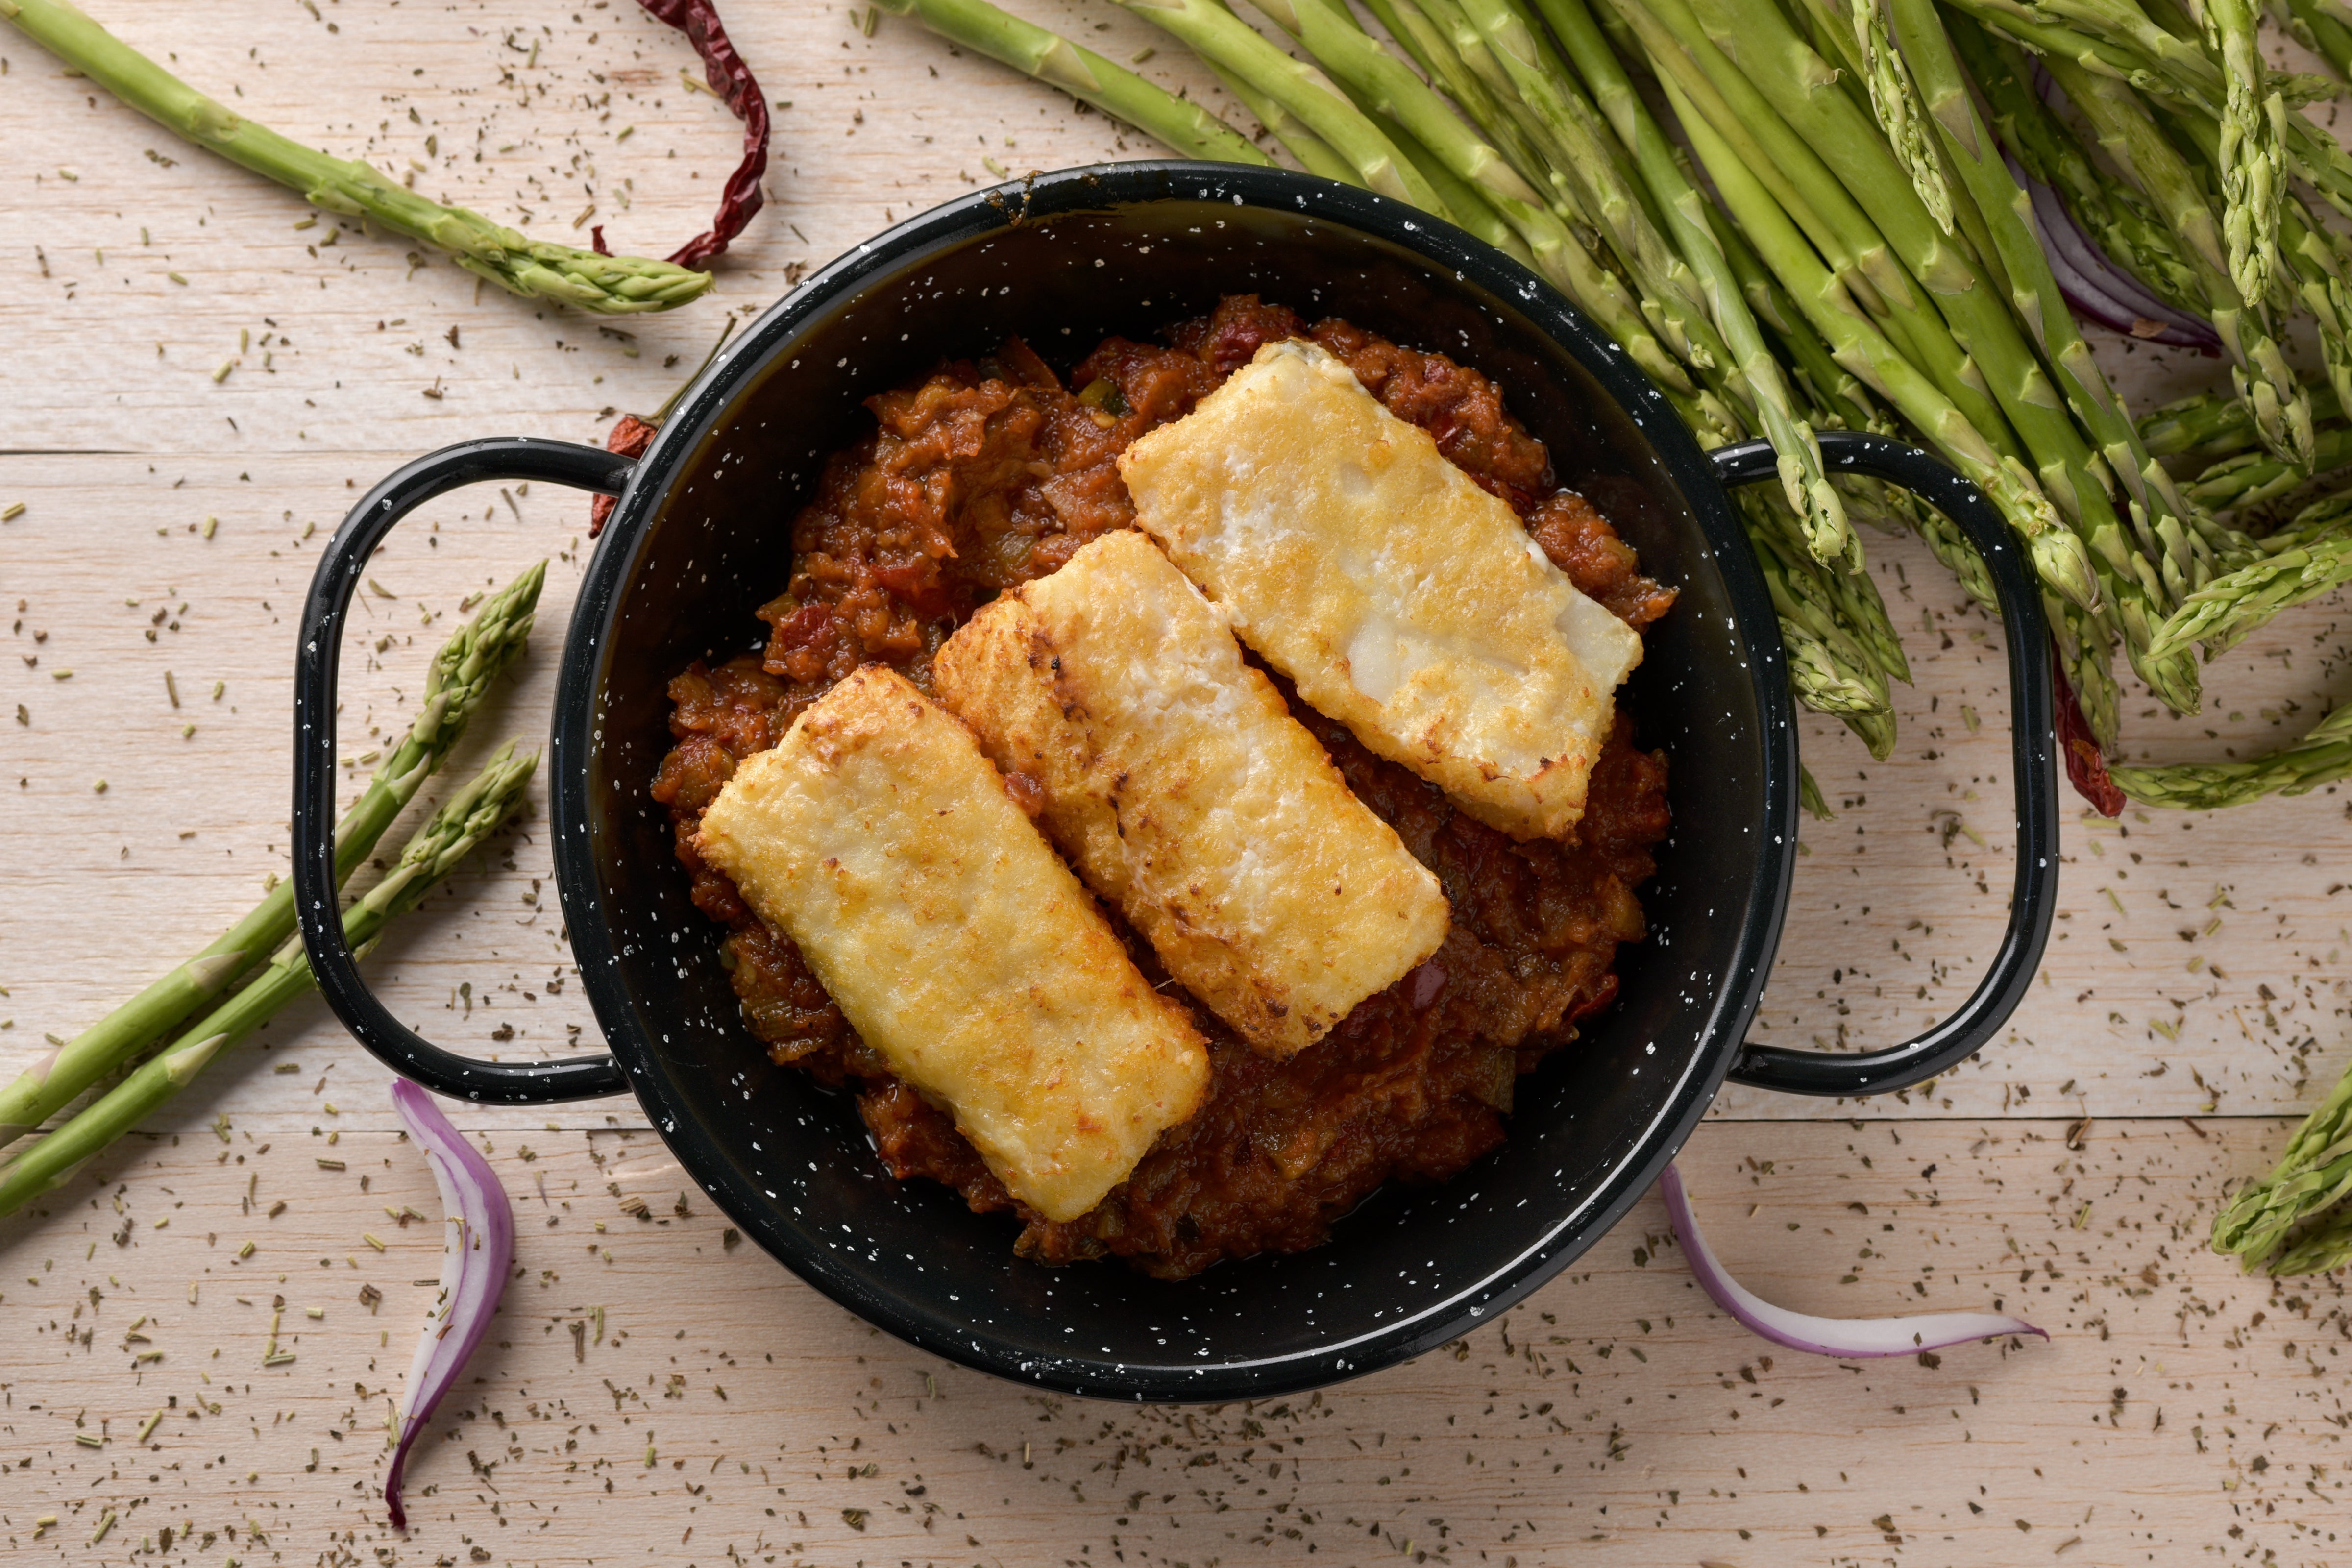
(476, 1259)
(2095, 286)
(2078, 277)
(1843, 1337)
(2099, 289)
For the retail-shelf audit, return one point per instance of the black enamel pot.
(701, 535)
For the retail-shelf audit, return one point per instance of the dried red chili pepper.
(2086, 762)
(731, 79)
(632, 433)
(629, 436)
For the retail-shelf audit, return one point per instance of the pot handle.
(2031, 720)
(316, 902)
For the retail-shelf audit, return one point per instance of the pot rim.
(1041, 198)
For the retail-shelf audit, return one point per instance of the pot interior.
(705, 537)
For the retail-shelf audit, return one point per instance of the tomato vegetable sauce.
(994, 472)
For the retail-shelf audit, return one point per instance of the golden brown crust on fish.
(1174, 778)
(1400, 599)
(878, 837)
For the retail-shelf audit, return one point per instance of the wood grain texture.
(2177, 1407)
(345, 360)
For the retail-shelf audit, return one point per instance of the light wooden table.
(2193, 1001)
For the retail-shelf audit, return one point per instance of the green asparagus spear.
(1810, 796)
(1466, 201)
(1357, 61)
(2205, 425)
(2046, 38)
(1441, 42)
(534, 268)
(1778, 64)
(1585, 161)
(2216, 424)
(1469, 207)
(461, 674)
(2251, 479)
(2116, 39)
(2221, 614)
(1190, 130)
(1421, 39)
(2330, 517)
(1840, 609)
(1865, 266)
(1822, 680)
(1836, 397)
(2311, 1177)
(2318, 262)
(1862, 273)
(2324, 1249)
(1690, 220)
(2325, 30)
(2203, 79)
(1228, 43)
(1855, 338)
(2252, 155)
(1799, 184)
(1453, 51)
(2275, 397)
(1829, 670)
(2125, 226)
(2111, 210)
(1946, 542)
(1665, 247)
(1979, 445)
(1468, 71)
(1836, 33)
(2087, 652)
(2127, 582)
(1895, 102)
(1313, 153)
(1559, 254)
(453, 831)
(1860, 348)
(1749, 50)
(2123, 25)
(2321, 757)
(2315, 266)
(2155, 505)
(1390, 86)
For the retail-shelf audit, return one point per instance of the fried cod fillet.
(1401, 599)
(878, 837)
(1176, 781)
